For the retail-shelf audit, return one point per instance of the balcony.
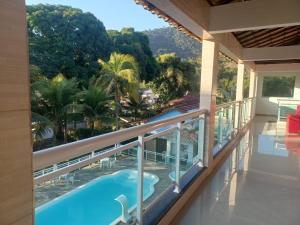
(233, 163)
(157, 177)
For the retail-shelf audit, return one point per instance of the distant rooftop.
(177, 107)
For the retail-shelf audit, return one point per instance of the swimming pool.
(93, 203)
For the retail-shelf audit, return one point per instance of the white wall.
(268, 105)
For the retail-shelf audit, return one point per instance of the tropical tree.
(226, 79)
(173, 80)
(95, 105)
(120, 75)
(41, 126)
(66, 40)
(53, 99)
(128, 41)
(137, 106)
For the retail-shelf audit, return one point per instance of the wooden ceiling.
(278, 61)
(282, 36)
(222, 2)
(274, 37)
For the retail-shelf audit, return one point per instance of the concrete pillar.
(239, 95)
(16, 182)
(208, 89)
(252, 91)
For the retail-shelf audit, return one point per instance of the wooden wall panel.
(13, 56)
(16, 184)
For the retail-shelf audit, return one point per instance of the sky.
(115, 14)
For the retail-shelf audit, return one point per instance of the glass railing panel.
(169, 153)
(224, 126)
(228, 120)
(246, 106)
(285, 107)
(191, 146)
(218, 133)
(160, 160)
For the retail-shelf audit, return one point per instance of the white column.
(208, 89)
(252, 91)
(239, 95)
(240, 82)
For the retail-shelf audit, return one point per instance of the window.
(279, 86)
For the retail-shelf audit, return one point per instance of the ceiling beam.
(271, 53)
(185, 14)
(279, 68)
(253, 15)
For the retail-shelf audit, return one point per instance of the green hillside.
(169, 40)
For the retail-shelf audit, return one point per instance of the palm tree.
(96, 105)
(173, 73)
(172, 82)
(137, 106)
(41, 127)
(120, 75)
(53, 98)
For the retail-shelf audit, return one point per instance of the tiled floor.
(261, 188)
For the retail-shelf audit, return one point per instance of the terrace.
(214, 165)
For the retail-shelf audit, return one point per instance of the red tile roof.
(186, 103)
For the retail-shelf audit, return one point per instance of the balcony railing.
(286, 106)
(172, 149)
(229, 118)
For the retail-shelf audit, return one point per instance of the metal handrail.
(287, 103)
(288, 100)
(227, 104)
(54, 155)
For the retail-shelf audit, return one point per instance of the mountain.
(168, 40)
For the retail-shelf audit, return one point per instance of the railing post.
(278, 113)
(237, 113)
(220, 122)
(140, 180)
(250, 108)
(177, 164)
(244, 113)
(201, 136)
(230, 119)
(240, 115)
(208, 154)
(54, 167)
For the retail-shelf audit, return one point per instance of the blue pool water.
(93, 203)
